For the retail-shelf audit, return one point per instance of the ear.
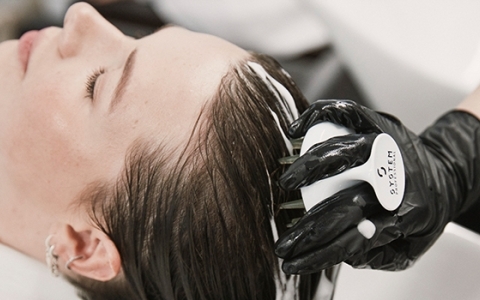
(98, 256)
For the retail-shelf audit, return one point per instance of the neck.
(23, 227)
(24, 224)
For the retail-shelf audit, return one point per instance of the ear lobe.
(97, 256)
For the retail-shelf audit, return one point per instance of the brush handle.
(384, 170)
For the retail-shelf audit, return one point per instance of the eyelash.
(92, 80)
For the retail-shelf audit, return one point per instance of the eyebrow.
(124, 79)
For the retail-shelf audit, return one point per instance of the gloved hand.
(442, 171)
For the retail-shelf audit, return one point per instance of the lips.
(25, 47)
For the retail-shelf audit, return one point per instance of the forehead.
(177, 72)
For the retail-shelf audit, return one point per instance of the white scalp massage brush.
(384, 171)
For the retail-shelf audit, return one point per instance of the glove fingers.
(386, 228)
(328, 219)
(387, 252)
(342, 112)
(327, 159)
(393, 255)
(349, 244)
(352, 243)
(390, 257)
(417, 218)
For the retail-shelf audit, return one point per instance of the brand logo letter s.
(383, 170)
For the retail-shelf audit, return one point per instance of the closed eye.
(91, 81)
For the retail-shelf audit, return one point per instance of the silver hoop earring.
(51, 257)
(71, 260)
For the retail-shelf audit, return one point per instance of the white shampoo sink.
(449, 270)
(24, 278)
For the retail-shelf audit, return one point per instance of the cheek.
(47, 137)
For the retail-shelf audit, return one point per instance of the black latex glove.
(442, 179)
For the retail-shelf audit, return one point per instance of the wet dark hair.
(197, 225)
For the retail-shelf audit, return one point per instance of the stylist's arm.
(442, 171)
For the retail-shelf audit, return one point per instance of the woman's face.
(72, 105)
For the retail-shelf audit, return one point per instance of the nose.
(84, 28)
